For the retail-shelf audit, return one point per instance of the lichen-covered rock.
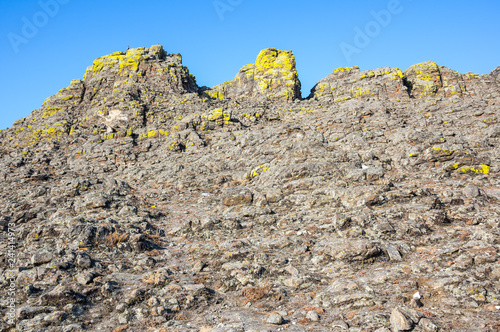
(273, 76)
(424, 79)
(427, 79)
(118, 94)
(347, 83)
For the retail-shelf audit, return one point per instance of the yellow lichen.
(485, 169)
(50, 111)
(344, 69)
(215, 94)
(218, 114)
(257, 171)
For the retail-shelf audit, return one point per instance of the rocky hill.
(136, 200)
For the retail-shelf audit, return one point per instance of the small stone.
(415, 301)
(84, 261)
(292, 270)
(471, 191)
(374, 173)
(427, 325)
(42, 257)
(293, 282)
(340, 325)
(400, 322)
(121, 307)
(123, 318)
(153, 301)
(135, 296)
(56, 316)
(282, 313)
(74, 309)
(275, 319)
(84, 278)
(393, 253)
(237, 196)
(28, 311)
(312, 316)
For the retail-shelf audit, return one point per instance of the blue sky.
(217, 37)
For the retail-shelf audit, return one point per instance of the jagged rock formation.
(141, 201)
(119, 93)
(273, 76)
(347, 83)
(428, 80)
(424, 80)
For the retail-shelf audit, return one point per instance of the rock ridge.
(136, 200)
(127, 91)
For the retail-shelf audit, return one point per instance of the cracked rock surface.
(140, 201)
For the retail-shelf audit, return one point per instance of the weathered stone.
(55, 317)
(471, 191)
(61, 294)
(29, 311)
(424, 79)
(85, 278)
(393, 253)
(351, 250)
(400, 321)
(84, 261)
(237, 196)
(42, 257)
(427, 325)
(273, 76)
(312, 316)
(275, 319)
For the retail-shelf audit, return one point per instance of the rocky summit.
(135, 200)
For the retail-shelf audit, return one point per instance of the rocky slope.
(134, 199)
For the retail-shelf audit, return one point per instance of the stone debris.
(137, 200)
(275, 319)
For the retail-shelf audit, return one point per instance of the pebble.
(275, 319)
(312, 316)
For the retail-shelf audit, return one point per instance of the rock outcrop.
(133, 200)
(427, 79)
(272, 77)
(119, 93)
(346, 83)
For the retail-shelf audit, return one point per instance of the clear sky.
(45, 44)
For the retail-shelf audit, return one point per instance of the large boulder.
(273, 76)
